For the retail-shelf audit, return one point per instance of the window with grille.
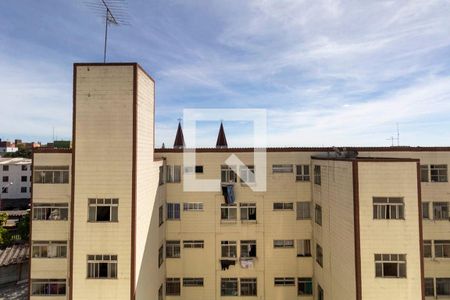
(304, 286)
(442, 248)
(303, 248)
(173, 174)
(248, 248)
(425, 210)
(51, 174)
(440, 210)
(318, 214)
(23, 189)
(429, 287)
(161, 215)
(173, 211)
(228, 249)
(5, 168)
(229, 287)
(248, 287)
(317, 175)
(173, 287)
(48, 287)
(228, 212)
(160, 255)
(442, 287)
(284, 281)
(424, 173)
(191, 282)
(193, 206)
(102, 266)
(285, 168)
(283, 243)
(283, 206)
(173, 249)
(193, 244)
(49, 249)
(227, 174)
(303, 210)
(438, 173)
(23, 178)
(103, 210)
(390, 265)
(248, 211)
(388, 208)
(302, 173)
(50, 211)
(191, 169)
(427, 245)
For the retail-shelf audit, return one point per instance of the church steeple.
(179, 138)
(221, 138)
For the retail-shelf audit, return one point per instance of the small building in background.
(7, 147)
(15, 183)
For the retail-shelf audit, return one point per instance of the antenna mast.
(114, 13)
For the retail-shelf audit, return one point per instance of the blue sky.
(328, 72)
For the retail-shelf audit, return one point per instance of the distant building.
(7, 147)
(15, 182)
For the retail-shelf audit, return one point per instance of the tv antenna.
(114, 12)
(392, 139)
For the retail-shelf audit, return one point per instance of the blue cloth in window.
(230, 194)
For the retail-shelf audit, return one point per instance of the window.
(228, 212)
(429, 287)
(47, 287)
(160, 293)
(24, 167)
(103, 210)
(247, 174)
(442, 286)
(319, 255)
(102, 266)
(173, 249)
(427, 248)
(390, 265)
(283, 243)
(303, 210)
(49, 249)
(50, 211)
(425, 210)
(302, 173)
(388, 208)
(161, 175)
(23, 189)
(5, 179)
(4, 190)
(442, 248)
(248, 211)
(189, 282)
(229, 287)
(320, 293)
(440, 210)
(424, 173)
(173, 211)
(303, 248)
(5, 168)
(227, 174)
(248, 248)
(51, 174)
(438, 173)
(317, 176)
(193, 244)
(248, 287)
(318, 214)
(282, 168)
(228, 249)
(304, 286)
(193, 206)
(173, 287)
(173, 174)
(160, 255)
(284, 281)
(283, 206)
(23, 178)
(161, 215)
(198, 169)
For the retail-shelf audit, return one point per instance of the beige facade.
(132, 232)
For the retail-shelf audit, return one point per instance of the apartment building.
(115, 222)
(7, 147)
(15, 184)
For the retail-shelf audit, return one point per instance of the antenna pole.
(398, 136)
(106, 35)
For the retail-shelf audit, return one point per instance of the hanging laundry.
(226, 263)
